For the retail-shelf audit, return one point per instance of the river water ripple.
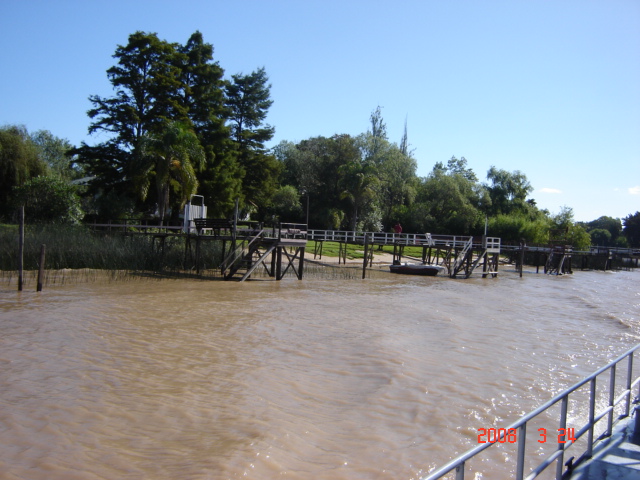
(383, 378)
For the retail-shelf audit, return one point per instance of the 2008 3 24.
(509, 435)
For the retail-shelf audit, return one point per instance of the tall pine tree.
(157, 83)
(203, 97)
(248, 98)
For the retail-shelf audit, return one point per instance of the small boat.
(417, 269)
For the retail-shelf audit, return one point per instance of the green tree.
(19, 162)
(404, 142)
(48, 200)
(311, 167)
(155, 83)
(359, 182)
(451, 202)
(286, 204)
(514, 228)
(575, 234)
(203, 98)
(202, 94)
(396, 174)
(54, 152)
(327, 172)
(632, 229)
(248, 100)
(147, 83)
(169, 159)
(508, 191)
(457, 166)
(600, 237)
(612, 225)
(377, 134)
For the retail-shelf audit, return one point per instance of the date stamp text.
(510, 435)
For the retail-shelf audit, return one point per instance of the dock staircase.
(464, 261)
(243, 260)
(559, 260)
(276, 255)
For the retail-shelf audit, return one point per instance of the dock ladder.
(463, 260)
(247, 256)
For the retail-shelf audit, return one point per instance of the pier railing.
(417, 239)
(567, 437)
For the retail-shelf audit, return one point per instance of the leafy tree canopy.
(169, 159)
(48, 200)
(508, 190)
(19, 162)
(54, 152)
(613, 227)
(157, 83)
(632, 229)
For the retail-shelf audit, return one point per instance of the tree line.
(176, 127)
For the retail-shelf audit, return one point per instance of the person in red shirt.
(397, 228)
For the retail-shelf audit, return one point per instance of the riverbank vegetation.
(78, 247)
(177, 125)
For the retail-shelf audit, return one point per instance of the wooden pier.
(251, 246)
(247, 246)
(460, 254)
(563, 259)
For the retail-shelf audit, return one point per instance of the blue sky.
(550, 88)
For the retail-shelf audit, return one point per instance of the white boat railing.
(517, 431)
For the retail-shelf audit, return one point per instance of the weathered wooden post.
(20, 248)
(522, 247)
(279, 262)
(301, 264)
(41, 269)
(366, 256)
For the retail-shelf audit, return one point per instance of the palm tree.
(171, 159)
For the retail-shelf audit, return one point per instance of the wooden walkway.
(247, 246)
(460, 254)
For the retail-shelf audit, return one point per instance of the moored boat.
(417, 269)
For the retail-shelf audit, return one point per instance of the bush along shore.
(80, 249)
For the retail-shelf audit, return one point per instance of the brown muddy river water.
(383, 378)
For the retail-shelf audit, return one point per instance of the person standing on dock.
(397, 228)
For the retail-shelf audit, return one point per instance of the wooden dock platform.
(248, 245)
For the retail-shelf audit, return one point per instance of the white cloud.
(550, 190)
(634, 190)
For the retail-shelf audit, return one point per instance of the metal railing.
(519, 428)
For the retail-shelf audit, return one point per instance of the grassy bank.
(332, 249)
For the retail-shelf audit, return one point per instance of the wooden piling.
(21, 248)
(279, 263)
(366, 256)
(41, 269)
(301, 264)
